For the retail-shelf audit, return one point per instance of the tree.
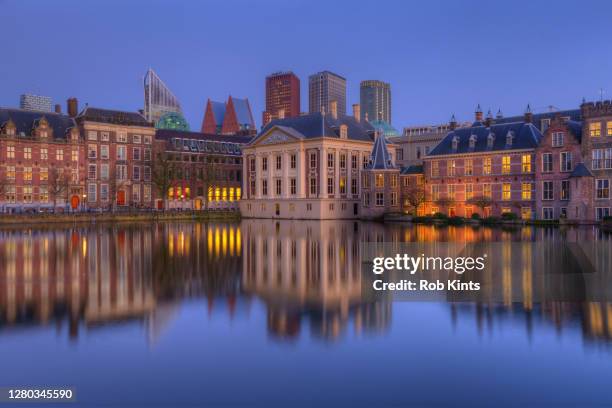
(444, 202)
(481, 202)
(162, 175)
(4, 184)
(415, 196)
(58, 185)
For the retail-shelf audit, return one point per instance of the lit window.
(505, 164)
(526, 191)
(602, 187)
(486, 165)
(595, 129)
(506, 191)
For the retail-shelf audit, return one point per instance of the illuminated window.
(10, 152)
(451, 192)
(231, 194)
(595, 129)
(505, 164)
(486, 165)
(450, 168)
(526, 191)
(602, 187)
(526, 163)
(10, 172)
(44, 154)
(469, 191)
(393, 180)
(506, 193)
(435, 170)
(486, 190)
(343, 185)
(469, 167)
(238, 193)
(210, 193)
(75, 156)
(217, 194)
(170, 193)
(609, 128)
(27, 174)
(380, 180)
(27, 194)
(27, 152)
(435, 192)
(59, 155)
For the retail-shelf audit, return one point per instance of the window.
(526, 191)
(103, 192)
(435, 192)
(330, 160)
(313, 186)
(121, 153)
(147, 140)
(252, 165)
(44, 154)
(10, 172)
(264, 187)
(122, 137)
(399, 154)
(59, 155)
(472, 141)
(293, 185)
(365, 161)
(342, 185)
(393, 198)
(486, 190)
(136, 153)
(27, 152)
(565, 189)
(380, 199)
(104, 171)
(147, 154)
(354, 187)
(147, 173)
(104, 136)
(91, 192)
(526, 163)
(595, 129)
(343, 161)
(379, 180)
(394, 180)
(27, 194)
(366, 180)
(450, 168)
(146, 193)
(566, 161)
(92, 135)
(121, 172)
(451, 192)
(435, 170)
(545, 125)
(608, 158)
(547, 213)
(557, 139)
(43, 194)
(92, 151)
(366, 200)
(486, 166)
(547, 162)
(313, 160)
(506, 191)
(136, 139)
(354, 162)
(10, 194)
(609, 128)
(330, 185)
(469, 167)
(264, 163)
(601, 213)
(91, 172)
(505, 164)
(343, 131)
(597, 159)
(279, 162)
(469, 191)
(279, 187)
(547, 190)
(136, 173)
(602, 187)
(293, 161)
(10, 152)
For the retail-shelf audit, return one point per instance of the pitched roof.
(113, 117)
(573, 114)
(581, 171)
(414, 169)
(576, 128)
(381, 159)
(316, 125)
(25, 121)
(167, 134)
(525, 136)
(218, 110)
(243, 112)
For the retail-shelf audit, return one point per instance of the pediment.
(277, 135)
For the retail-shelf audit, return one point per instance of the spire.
(453, 123)
(499, 114)
(381, 159)
(478, 114)
(528, 114)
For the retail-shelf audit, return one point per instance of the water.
(271, 314)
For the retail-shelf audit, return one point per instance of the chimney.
(73, 107)
(333, 107)
(453, 123)
(357, 112)
(281, 114)
(58, 108)
(478, 114)
(528, 114)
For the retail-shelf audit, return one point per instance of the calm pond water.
(271, 314)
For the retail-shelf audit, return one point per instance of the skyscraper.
(324, 87)
(282, 96)
(35, 103)
(375, 100)
(158, 98)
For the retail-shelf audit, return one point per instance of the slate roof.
(381, 159)
(525, 136)
(25, 121)
(113, 117)
(414, 169)
(581, 171)
(315, 125)
(243, 112)
(573, 114)
(167, 134)
(576, 128)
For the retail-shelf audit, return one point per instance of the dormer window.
(43, 134)
(490, 139)
(455, 142)
(472, 141)
(509, 138)
(343, 131)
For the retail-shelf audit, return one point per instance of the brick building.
(282, 96)
(41, 161)
(119, 152)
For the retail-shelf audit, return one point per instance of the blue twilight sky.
(439, 56)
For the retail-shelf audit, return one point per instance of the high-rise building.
(158, 98)
(323, 88)
(375, 100)
(35, 103)
(282, 96)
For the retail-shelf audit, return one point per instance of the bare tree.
(481, 202)
(445, 202)
(58, 185)
(415, 196)
(162, 174)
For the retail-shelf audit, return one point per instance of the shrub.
(475, 216)
(456, 220)
(509, 216)
(440, 216)
(490, 220)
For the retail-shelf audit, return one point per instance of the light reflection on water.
(294, 282)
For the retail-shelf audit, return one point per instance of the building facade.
(231, 118)
(282, 96)
(41, 162)
(375, 100)
(35, 103)
(380, 182)
(158, 99)
(119, 156)
(307, 167)
(323, 88)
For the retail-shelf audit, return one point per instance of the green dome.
(172, 120)
(387, 129)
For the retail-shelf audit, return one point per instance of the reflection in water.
(306, 274)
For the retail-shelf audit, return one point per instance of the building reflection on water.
(306, 274)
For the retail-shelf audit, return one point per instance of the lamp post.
(83, 203)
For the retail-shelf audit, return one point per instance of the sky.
(440, 57)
